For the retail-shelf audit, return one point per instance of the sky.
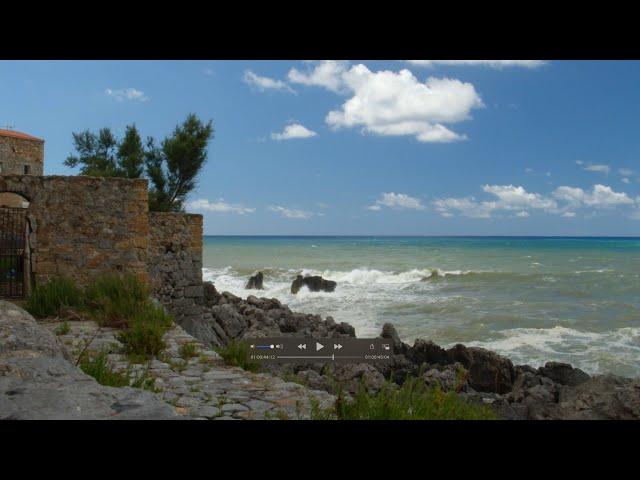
(363, 147)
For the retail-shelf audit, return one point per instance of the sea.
(532, 299)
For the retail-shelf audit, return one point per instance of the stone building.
(82, 227)
(20, 154)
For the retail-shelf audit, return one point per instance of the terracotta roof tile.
(15, 134)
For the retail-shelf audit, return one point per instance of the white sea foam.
(425, 302)
(594, 352)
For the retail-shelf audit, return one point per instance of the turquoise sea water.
(533, 299)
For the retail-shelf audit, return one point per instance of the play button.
(319, 346)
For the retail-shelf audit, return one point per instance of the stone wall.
(84, 226)
(175, 263)
(15, 153)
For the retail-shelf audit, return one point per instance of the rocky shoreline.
(554, 391)
(39, 379)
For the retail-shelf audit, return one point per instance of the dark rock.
(489, 372)
(425, 351)
(211, 295)
(563, 373)
(460, 353)
(449, 378)
(343, 328)
(398, 369)
(255, 282)
(297, 284)
(228, 297)
(313, 283)
(233, 323)
(603, 397)
(389, 333)
(354, 375)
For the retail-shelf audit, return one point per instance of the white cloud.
(509, 198)
(514, 198)
(579, 162)
(562, 201)
(291, 213)
(396, 103)
(265, 83)
(601, 196)
(598, 168)
(204, 205)
(626, 180)
(468, 207)
(126, 94)
(327, 74)
(392, 103)
(625, 172)
(498, 64)
(208, 72)
(295, 130)
(399, 201)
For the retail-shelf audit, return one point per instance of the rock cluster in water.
(313, 283)
(255, 282)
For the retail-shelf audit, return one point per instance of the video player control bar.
(315, 350)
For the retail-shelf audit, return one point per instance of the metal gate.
(12, 252)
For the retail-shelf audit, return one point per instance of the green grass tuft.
(411, 401)
(49, 299)
(143, 339)
(113, 300)
(187, 351)
(99, 368)
(63, 328)
(237, 354)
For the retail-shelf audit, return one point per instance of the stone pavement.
(201, 387)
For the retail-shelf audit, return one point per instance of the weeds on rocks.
(50, 298)
(414, 400)
(237, 354)
(187, 351)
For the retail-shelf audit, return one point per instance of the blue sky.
(368, 147)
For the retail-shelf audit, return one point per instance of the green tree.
(101, 155)
(172, 167)
(131, 154)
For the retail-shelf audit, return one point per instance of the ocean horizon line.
(613, 237)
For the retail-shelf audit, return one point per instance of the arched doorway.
(14, 246)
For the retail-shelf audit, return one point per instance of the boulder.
(450, 378)
(425, 351)
(603, 397)
(313, 283)
(211, 295)
(37, 380)
(389, 333)
(488, 371)
(354, 375)
(563, 373)
(255, 282)
(232, 323)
